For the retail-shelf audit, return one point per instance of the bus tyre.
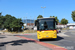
(39, 39)
(54, 39)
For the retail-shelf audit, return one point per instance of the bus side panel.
(46, 34)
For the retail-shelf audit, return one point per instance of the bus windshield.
(46, 25)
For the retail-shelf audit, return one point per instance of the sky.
(32, 8)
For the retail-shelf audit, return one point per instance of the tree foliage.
(2, 21)
(40, 16)
(10, 22)
(16, 24)
(0, 13)
(64, 21)
(55, 18)
(73, 15)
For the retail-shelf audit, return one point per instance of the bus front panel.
(46, 29)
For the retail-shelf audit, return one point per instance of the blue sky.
(32, 8)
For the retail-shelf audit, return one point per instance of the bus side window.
(37, 25)
(55, 24)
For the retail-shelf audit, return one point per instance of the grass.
(29, 31)
(23, 32)
(65, 28)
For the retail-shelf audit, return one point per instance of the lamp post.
(30, 23)
(34, 20)
(43, 10)
(18, 24)
(26, 21)
(34, 23)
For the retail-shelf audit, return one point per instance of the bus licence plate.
(46, 36)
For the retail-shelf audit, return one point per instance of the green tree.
(1, 21)
(16, 25)
(55, 18)
(10, 22)
(51, 16)
(73, 15)
(40, 16)
(0, 13)
(64, 21)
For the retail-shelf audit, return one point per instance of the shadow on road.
(2, 36)
(57, 39)
(15, 42)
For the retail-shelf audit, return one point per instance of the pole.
(43, 10)
(30, 23)
(34, 24)
(34, 21)
(18, 24)
(26, 21)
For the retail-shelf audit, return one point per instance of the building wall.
(61, 26)
(27, 21)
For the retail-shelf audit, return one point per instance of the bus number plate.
(46, 36)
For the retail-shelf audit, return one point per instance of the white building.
(71, 25)
(61, 26)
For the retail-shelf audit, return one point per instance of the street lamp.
(30, 20)
(26, 20)
(43, 10)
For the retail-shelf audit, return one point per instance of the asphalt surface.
(2, 47)
(67, 41)
(11, 42)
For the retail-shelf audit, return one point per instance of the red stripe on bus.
(47, 30)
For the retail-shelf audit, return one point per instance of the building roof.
(71, 24)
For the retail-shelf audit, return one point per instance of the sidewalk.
(11, 42)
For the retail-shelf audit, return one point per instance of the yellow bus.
(46, 28)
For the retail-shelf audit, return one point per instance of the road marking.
(65, 40)
(63, 34)
(56, 45)
(51, 46)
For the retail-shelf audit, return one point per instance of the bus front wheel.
(39, 39)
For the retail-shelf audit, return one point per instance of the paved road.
(2, 47)
(11, 42)
(65, 39)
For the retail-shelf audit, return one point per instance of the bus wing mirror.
(56, 23)
(36, 22)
